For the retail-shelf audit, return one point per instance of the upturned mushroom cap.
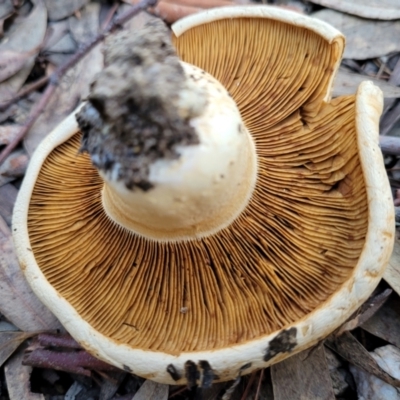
(306, 251)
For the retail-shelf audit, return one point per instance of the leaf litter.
(56, 30)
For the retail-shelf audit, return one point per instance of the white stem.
(202, 191)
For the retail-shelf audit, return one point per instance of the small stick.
(59, 72)
(259, 385)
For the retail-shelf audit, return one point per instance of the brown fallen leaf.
(62, 9)
(364, 38)
(386, 322)
(152, 390)
(346, 83)
(392, 273)
(349, 348)
(17, 301)
(18, 378)
(9, 342)
(8, 195)
(303, 376)
(375, 9)
(24, 35)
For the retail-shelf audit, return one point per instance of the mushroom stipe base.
(306, 252)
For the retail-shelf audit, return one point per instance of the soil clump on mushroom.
(140, 106)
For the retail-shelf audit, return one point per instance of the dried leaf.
(62, 9)
(12, 61)
(17, 301)
(370, 387)
(152, 390)
(347, 83)
(364, 38)
(386, 322)
(375, 9)
(303, 376)
(348, 347)
(9, 342)
(55, 31)
(366, 311)
(6, 9)
(74, 86)
(8, 195)
(172, 10)
(18, 379)
(392, 273)
(13, 167)
(24, 35)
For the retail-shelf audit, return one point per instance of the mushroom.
(215, 214)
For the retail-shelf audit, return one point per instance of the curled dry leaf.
(25, 35)
(364, 38)
(303, 376)
(375, 9)
(347, 83)
(17, 301)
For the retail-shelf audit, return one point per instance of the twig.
(259, 385)
(59, 72)
(110, 14)
(249, 385)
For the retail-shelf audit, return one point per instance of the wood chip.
(348, 347)
(303, 376)
(386, 322)
(364, 38)
(375, 9)
(17, 301)
(152, 390)
(18, 379)
(346, 83)
(392, 273)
